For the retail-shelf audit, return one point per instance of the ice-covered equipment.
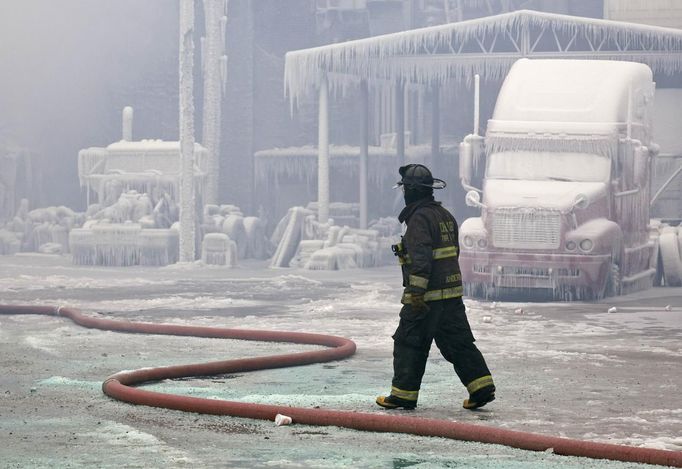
(219, 249)
(564, 175)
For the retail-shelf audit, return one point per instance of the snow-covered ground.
(574, 370)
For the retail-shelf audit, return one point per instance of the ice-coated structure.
(43, 230)
(136, 185)
(246, 233)
(218, 249)
(133, 218)
(149, 167)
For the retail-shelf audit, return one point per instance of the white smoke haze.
(69, 67)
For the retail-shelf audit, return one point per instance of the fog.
(68, 68)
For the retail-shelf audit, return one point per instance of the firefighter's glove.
(418, 304)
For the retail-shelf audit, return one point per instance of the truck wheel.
(670, 256)
(613, 282)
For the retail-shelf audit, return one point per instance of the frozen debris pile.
(248, 233)
(218, 249)
(303, 242)
(43, 230)
(670, 247)
(141, 230)
(133, 230)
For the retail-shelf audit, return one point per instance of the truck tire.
(670, 256)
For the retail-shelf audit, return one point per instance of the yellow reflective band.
(442, 253)
(435, 295)
(407, 395)
(444, 294)
(479, 383)
(420, 282)
(404, 259)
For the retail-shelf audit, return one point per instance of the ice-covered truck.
(562, 179)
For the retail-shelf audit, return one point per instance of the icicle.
(223, 73)
(223, 31)
(89, 161)
(158, 247)
(598, 145)
(202, 52)
(218, 249)
(367, 58)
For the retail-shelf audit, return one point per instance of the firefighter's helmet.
(418, 175)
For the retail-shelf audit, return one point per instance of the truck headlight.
(482, 242)
(468, 241)
(586, 245)
(570, 245)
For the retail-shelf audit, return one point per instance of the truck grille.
(526, 228)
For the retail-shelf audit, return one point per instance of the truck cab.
(562, 181)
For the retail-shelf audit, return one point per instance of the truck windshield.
(548, 166)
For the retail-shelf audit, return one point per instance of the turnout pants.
(447, 323)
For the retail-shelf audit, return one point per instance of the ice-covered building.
(666, 13)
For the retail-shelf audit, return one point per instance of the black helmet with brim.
(418, 175)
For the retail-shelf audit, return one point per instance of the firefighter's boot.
(395, 402)
(481, 391)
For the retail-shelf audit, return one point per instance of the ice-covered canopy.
(487, 46)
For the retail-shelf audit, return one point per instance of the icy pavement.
(571, 370)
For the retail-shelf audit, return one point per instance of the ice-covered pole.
(364, 150)
(629, 123)
(400, 122)
(213, 10)
(323, 152)
(187, 208)
(127, 124)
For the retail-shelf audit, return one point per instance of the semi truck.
(562, 179)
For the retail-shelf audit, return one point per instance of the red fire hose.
(119, 386)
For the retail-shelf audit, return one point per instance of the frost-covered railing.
(301, 162)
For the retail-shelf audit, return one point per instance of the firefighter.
(432, 298)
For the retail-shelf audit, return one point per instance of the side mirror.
(473, 199)
(466, 163)
(581, 201)
(641, 166)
